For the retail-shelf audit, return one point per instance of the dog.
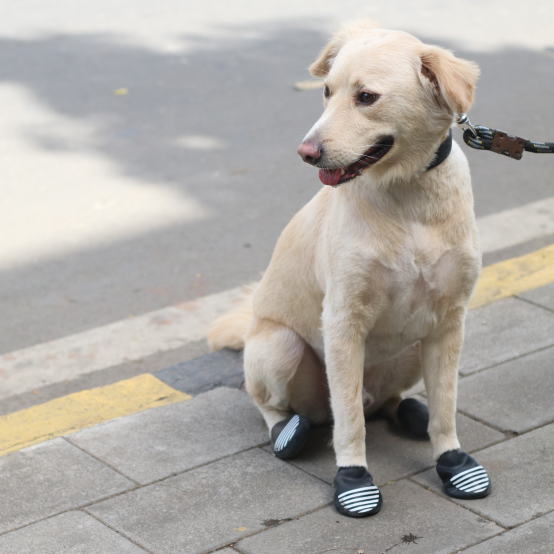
(368, 286)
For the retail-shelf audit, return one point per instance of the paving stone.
(70, 533)
(221, 368)
(412, 520)
(392, 453)
(156, 443)
(49, 478)
(521, 475)
(214, 505)
(543, 296)
(502, 331)
(536, 537)
(515, 396)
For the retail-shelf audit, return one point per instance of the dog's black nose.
(309, 152)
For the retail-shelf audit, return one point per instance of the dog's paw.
(413, 415)
(289, 436)
(355, 493)
(462, 476)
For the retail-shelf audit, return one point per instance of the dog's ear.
(322, 66)
(451, 79)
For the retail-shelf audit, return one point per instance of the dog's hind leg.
(273, 356)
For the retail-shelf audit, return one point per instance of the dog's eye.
(326, 92)
(367, 97)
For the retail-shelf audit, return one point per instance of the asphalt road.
(148, 151)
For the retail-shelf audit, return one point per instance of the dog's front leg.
(460, 473)
(440, 354)
(355, 494)
(344, 359)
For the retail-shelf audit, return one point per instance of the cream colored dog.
(368, 285)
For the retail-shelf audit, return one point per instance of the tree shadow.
(219, 107)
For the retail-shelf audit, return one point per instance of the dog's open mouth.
(334, 177)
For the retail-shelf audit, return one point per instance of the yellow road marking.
(83, 409)
(511, 277)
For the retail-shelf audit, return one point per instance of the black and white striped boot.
(355, 493)
(413, 415)
(289, 436)
(462, 476)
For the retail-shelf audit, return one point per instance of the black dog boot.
(462, 476)
(355, 493)
(413, 415)
(289, 436)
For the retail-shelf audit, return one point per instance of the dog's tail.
(229, 330)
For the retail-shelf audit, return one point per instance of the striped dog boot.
(289, 436)
(413, 415)
(462, 476)
(355, 493)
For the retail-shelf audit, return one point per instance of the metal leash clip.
(464, 123)
(485, 138)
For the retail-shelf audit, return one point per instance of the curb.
(219, 369)
(80, 410)
(74, 412)
(177, 383)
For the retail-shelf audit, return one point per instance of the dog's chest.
(418, 287)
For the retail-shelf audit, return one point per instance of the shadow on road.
(220, 122)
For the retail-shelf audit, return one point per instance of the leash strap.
(485, 138)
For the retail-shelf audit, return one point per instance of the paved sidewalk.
(197, 475)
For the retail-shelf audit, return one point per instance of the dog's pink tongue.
(329, 176)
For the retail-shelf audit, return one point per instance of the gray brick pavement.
(214, 505)
(50, 478)
(521, 471)
(536, 537)
(154, 444)
(502, 331)
(206, 480)
(543, 296)
(411, 517)
(514, 396)
(68, 533)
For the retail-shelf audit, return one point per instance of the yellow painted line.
(83, 409)
(514, 276)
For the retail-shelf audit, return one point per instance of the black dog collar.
(443, 151)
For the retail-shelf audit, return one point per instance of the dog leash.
(485, 138)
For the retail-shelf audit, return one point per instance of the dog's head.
(389, 100)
